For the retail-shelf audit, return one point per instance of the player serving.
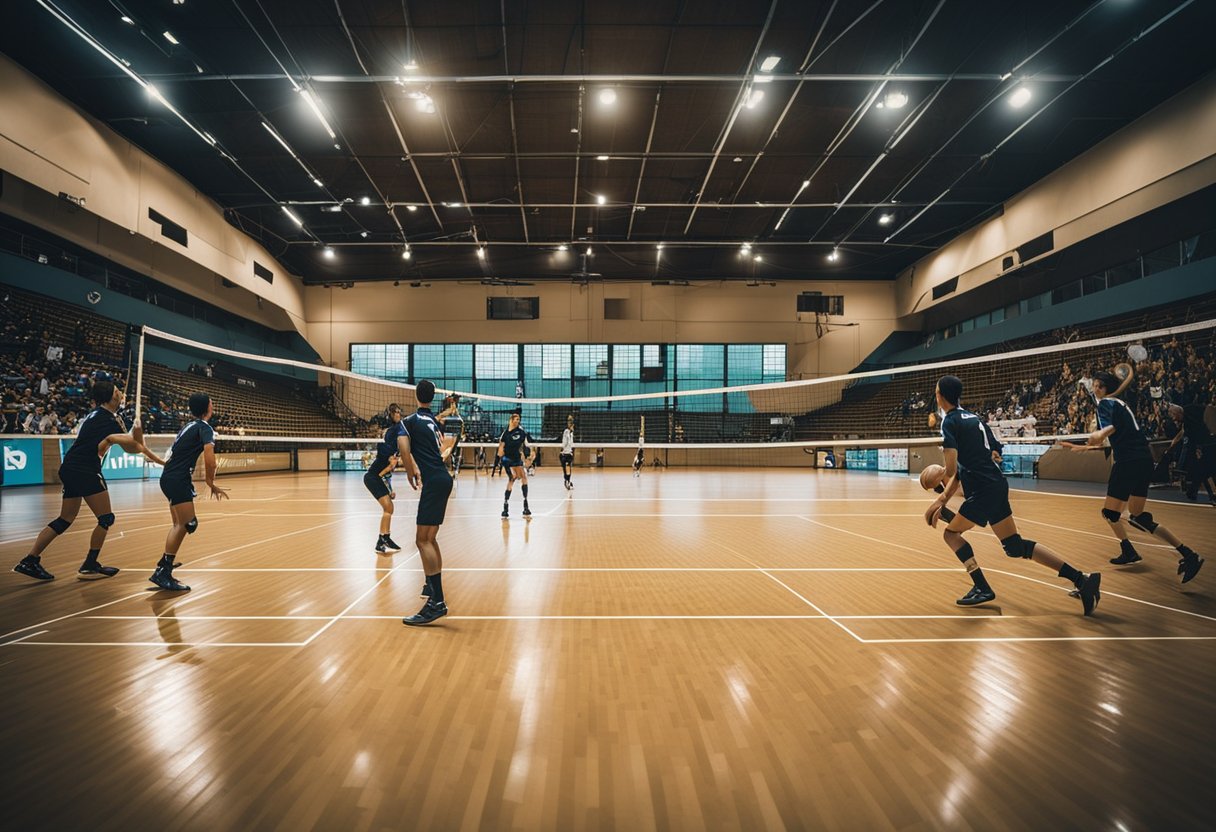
(82, 479)
(513, 450)
(176, 483)
(968, 446)
(1129, 477)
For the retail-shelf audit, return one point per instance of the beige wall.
(1164, 155)
(710, 312)
(47, 146)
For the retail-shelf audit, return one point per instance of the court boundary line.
(364, 594)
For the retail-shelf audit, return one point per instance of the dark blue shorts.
(177, 489)
(433, 499)
(1130, 478)
(77, 483)
(986, 502)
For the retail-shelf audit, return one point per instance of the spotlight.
(834, 256)
(660, 246)
(755, 98)
(405, 255)
(365, 201)
(563, 247)
(425, 104)
(886, 219)
(758, 259)
(411, 208)
(481, 252)
(332, 209)
(291, 215)
(608, 97)
(601, 158)
(127, 20)
(745, 249)
(328, 252)
(769, 63)
(169, 37)
(589, 251)
(363, 234)
(411, 65)
(896, 99)
(600, 199)
(1020, 97)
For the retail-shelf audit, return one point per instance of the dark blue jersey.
(1193, 426)
(387, 446)
(186, 448)
(966, 433)
(1127, 442)
(513, 442)
(426, 438)
(94, 428)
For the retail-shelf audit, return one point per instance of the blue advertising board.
(22, 462)
(120, 465)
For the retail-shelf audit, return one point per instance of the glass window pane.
(774, 361)
(997, 315)
(626, 362)
(555, 361)
(591, 361)
(1123, 273)
(497, 361)
(744, 363)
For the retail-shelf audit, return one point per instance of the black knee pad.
(946, 514)
(1143, 521)
(1111, 515)
(59, 525)
(105, 520)
(192, 526)
(1016, 546)
(965, 554)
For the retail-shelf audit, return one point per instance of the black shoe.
(527, 511)
(1130, 556)
(1088, 592)
(164, 579)
(32, 567)
(1189, 565)
(505, 514)
(976, 596)
(96, 570)
(392, 547)
(429, 612)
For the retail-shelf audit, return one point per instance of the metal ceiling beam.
(736, 107)
(640, 79)
(519, 180)
(552, 244)
(718, 206)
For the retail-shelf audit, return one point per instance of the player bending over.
(424, 452)
(82, 479)
(567, 454)
(513, 450)
(1129, 477)
(176, 483)
(379, 479)
(968, 445)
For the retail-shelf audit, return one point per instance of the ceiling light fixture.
(834, 256)
(758, 259)
(405, 255)
(896, 99)
(411, 208)
(127, 20)
(481, 252)
(885, 219)
(608, 96)
(328, 252)
(660, 246)
(314, 104)
(755, 98)
(601, 158)
(365, 201)
(169, 37)
(562, 247)
(411, 65)
(318, 182)
(1020, 97)
(600, 199)
(363, 234)
(291, 215)
(332, 209)
(589, 251)
(425, 104)
(769, 63)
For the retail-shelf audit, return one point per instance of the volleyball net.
(1033, 397)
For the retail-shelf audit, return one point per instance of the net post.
(139, 377)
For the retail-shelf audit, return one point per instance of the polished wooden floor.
(716, 649)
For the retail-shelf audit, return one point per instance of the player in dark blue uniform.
(424, 452)
(1129, 477)
(177, 484)
(1200, 454)
(379, 479)
(82, 479)
(968, 447)
(513, 448)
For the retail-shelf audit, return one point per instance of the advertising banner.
(22, 462)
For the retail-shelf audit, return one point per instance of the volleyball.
(931, 477)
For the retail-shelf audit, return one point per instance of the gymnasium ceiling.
(512, 157)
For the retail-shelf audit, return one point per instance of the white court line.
(1106, 593)
(157, 643)
(990, 616)
(144, 592)
(585, 569)
(23, 638)
(1107, 537)
(352, 604)
(209, 617)
(745, 559)
(1029, 638)
(1188, 504)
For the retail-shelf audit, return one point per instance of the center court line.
(352, 604)
(23, 638)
